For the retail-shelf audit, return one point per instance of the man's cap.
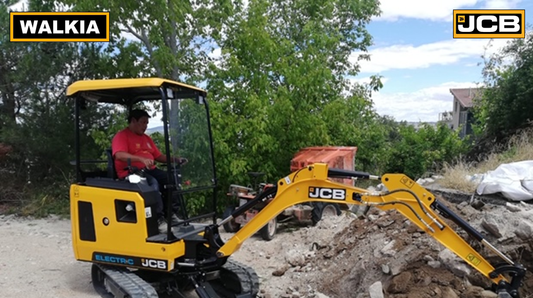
(137, 114)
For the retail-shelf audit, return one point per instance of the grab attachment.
(504, 289)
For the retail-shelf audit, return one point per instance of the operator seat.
(111, 171)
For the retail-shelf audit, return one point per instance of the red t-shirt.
(127, 141)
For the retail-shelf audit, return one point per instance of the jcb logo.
(482, 23)
(157, 264)
(327, 193)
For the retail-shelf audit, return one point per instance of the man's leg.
(162, 224)
(155, 185)
(162, 179)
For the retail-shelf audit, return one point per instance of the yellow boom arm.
(311, 184)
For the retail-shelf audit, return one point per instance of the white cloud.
(365, 80)
(503, 4)
(435, 10)
(421, 9)
(422, 105)
(423, 56)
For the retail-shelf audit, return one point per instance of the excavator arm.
(312, 184)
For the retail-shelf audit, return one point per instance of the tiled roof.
(466, 95)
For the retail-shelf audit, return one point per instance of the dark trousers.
(157, 178)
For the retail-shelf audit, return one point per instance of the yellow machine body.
(103, 233)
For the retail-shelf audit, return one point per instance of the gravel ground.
(36, 259)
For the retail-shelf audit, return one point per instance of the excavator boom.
(312, 184)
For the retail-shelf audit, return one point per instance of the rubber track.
(128, 281)
(247, 276)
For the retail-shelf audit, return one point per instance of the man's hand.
(124, 156)
(180, 160)
(148, 163)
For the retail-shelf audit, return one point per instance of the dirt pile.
(384, 255)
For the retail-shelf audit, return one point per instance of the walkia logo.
(59, 26)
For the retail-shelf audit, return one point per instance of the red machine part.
(339, 157)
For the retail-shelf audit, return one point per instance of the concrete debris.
(385, 268)
(376, 290)
(491, 226)
(454, 263)
(382, 254)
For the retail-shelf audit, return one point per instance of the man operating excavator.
(133, 144)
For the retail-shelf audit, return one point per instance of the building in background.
(462, 116)
(446, 118)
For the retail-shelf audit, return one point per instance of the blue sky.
(415, 52)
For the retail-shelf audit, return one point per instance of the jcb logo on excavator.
(327, 193)
(158, 264)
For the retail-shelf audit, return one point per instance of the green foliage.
(46, 200)
(353, 122)
(283, 65)
(507, 102)
(279, 85)
(166, 38)
(111, 124)
(418, 151)
(37, 118)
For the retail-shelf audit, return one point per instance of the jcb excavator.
(114, 228)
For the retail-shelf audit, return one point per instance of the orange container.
(336, 157)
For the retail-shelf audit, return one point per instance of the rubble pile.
(382, 254)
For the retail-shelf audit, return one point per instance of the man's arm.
(124, 156)
(163, 159)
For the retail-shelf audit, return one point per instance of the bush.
(424, 149)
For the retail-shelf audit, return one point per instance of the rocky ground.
(384, 255)
(377, 255)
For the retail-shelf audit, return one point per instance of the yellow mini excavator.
(114, 227)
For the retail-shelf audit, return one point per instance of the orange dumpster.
(339, 157)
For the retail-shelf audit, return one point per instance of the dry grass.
(456, 177)
(519, 148)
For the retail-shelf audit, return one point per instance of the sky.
(415, 53)
(419, 60)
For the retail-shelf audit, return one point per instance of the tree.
(281, 74)
(172, 36)
(353, 121)
(37, 117)
(507, 101)
(11, 55)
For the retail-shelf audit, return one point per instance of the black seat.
(111, 171)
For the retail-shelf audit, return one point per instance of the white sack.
(513, 180)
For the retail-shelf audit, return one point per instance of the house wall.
(456, 113)
(462, 118)
(465, 120)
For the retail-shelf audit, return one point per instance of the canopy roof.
(127, 90)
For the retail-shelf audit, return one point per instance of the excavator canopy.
(128, 91)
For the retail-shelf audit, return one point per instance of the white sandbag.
(513, 180)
